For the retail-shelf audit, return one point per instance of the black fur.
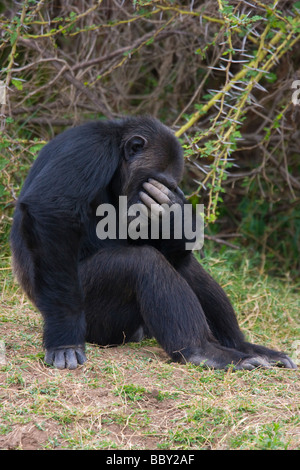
(113, 291)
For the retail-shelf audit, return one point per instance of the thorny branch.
(220, 73)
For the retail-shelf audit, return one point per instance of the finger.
(253, 363)
(71, 360)
(59, 359)
(49, 357)
(164, 189)
(147, 200)
(140, 207)
(158, 194)
(180, 192)
(156, 209)
(284, 362)
(81, 357)
(144, 210)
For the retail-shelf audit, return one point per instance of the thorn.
(235, 61)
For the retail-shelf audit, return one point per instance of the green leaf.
(13, 38)
(271, 77)
(17, 83)
(36, 148)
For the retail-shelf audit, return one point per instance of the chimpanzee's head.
(150, 150)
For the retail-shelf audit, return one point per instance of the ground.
(134, 397)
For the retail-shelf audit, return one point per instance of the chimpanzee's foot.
(249, 356)
(274, 358)
(66, 357)
(218, 357)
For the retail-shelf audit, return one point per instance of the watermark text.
(161, 221)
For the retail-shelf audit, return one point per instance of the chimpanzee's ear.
(134, 145)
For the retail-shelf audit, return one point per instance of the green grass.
(134, 397)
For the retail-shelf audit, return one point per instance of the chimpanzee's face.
(150, 151)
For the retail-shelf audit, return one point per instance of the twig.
(68, 75)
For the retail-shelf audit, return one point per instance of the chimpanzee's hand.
(159, 194)
(157, 200)
(66, 357)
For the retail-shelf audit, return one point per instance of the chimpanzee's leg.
(221, 316)
(127, 287)
(110, 305)
(45, 252)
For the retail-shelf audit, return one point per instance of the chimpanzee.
(113, 290)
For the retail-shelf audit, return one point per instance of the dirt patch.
(27, 437)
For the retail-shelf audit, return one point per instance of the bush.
(222, 74)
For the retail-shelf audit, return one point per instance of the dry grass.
(133, 397)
